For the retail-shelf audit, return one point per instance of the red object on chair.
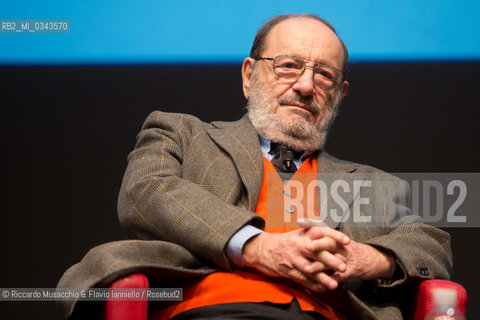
(424, 303)
(138, 310)
(128, 310)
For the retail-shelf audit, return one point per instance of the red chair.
(423, 303)
(138, 310)
(128, 310)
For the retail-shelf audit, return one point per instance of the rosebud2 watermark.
(375, 199)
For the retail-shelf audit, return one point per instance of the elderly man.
(196, 194)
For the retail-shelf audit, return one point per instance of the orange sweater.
(248, 285)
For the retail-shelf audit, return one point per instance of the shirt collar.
(266, 147)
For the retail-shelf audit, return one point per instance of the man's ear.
(345, 88)
(247, 67)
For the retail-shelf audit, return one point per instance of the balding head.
(261, 37)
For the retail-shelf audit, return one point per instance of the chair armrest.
(127, 310)
(424, 304)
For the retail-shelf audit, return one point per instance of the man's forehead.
(305, 37)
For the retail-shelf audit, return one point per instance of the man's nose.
(305, 85)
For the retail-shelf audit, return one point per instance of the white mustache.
(308, 102)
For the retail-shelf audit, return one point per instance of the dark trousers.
(248, 310)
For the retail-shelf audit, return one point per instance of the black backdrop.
(66, 132)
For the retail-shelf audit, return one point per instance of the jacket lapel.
(240, 140)
(331, 170)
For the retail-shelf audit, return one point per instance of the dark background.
(66, 132)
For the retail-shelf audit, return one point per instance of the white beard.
(298, 133)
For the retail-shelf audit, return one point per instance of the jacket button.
(423, 271)
(289, 209)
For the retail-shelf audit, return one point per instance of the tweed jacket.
(190, 186)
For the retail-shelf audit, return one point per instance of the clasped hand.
(319, 258)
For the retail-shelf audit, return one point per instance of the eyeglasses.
(292, 68)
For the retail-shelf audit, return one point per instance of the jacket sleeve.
(158, 201)
(420, 251)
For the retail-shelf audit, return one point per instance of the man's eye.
(290, 65)
(324, 73)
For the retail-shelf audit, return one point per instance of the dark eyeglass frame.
(303, 68)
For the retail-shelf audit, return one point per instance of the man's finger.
(306, 281)
(326, 281)
(341, 256)
(325, 261)
(315, 267)
(320, 232)
(325, 243)
(308, 223)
